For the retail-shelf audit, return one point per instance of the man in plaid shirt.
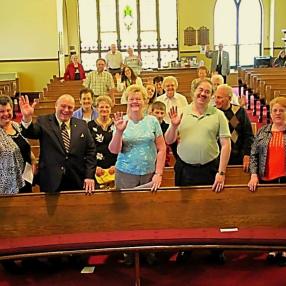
(100, 81)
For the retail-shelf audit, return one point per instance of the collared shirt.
(199, 135)
(67, 123)
(79, 114)
(134, 63)
(219, 53)
(178, 100)
(100, 83)
(115, 60)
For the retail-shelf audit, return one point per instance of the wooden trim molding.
(29, 60)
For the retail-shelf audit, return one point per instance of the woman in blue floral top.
(139, 143)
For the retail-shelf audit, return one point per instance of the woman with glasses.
(200, 161)
(268, 157)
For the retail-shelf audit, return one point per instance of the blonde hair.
(136, 88)
(103, 98)
(170, 78)
(278, 100)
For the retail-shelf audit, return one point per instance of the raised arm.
(27, 110)
(115, 144)
(172, 132)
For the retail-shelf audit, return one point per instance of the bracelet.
(158, 174)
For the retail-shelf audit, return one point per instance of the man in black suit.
(67, 151)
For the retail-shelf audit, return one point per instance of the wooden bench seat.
(58, 217)
(171, 219)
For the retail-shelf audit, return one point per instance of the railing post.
(137, 269)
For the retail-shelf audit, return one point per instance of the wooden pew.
(135, 221)
(246, 82)
(234, 176)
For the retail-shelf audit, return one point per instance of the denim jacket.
(259, 150)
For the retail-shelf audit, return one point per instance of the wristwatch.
(222, 173)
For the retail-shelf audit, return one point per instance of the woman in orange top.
(267, 158)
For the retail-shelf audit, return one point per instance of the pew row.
(234, 176)
(133, 221)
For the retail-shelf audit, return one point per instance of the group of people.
(205, 137)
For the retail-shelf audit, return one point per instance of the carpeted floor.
(240, 269)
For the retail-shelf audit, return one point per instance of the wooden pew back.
(234, 176)
(72, 212)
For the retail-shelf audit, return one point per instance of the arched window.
(148, 26)
(238, 25)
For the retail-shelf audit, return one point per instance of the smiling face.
(150, 91)
(127, 72)
(202, 74)
(203, 93)
(170, 88)
(222, 98)
(159, 114)
(86, 101)
(130, 52)
(65, 107)
(74, 59)
(100, 65)
(135, 101)
(158, 86)
(104, 109)
(6, 114)
(278, 114)
(113, 48)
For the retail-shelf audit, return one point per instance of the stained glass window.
(129, 23)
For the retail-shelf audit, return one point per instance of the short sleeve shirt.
(139, 152)
(198, 143)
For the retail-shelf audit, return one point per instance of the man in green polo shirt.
(200, 161)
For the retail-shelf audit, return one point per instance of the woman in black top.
(101, 129)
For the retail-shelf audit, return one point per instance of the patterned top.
(139, 152)
(100, 83)
(241, 133)
(102, 136)
(11, 164)
(259, 151)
